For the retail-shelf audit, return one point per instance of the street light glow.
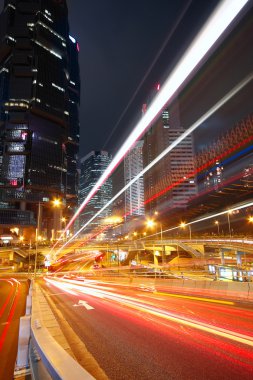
(150, 223)
(57, 202)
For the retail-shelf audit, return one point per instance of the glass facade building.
(134, 195)
(167, 185)
(92, 167)
(39, 107)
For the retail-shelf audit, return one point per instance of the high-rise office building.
(39, 107)
(118, 182)
(92, 167)
(168, 184)
(134, 195)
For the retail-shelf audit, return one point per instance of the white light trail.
(192, 128)
(231, 209)
(217, 23)
(147, 307)
(221, 18)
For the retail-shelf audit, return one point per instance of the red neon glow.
(8, 298)
(201, 168)
(158, 87)
(77, 47)
(10, 317)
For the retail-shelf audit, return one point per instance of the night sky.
(119, 43)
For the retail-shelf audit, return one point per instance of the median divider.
(58, 362)
(240, 291)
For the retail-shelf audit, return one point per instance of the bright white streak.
(217, 23)
(201, 120)
(207, 217)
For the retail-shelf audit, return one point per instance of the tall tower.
(134, 195)
(167, 184)
(39, 107)
(92, 167)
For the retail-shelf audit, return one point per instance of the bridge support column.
(238, 258)
(222, 257)
(155, 259)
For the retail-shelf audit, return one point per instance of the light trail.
(149, 308)
(11, 313)
(201, 168)
(215, 26)
(192, 128)
(187, 176)
(231, 209)
(196, 298)
(8, 297)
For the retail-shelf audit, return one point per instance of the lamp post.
(56, 204)
(218, 226)
(229, 225)
(64, 220)
(37, 234)
(183, 225)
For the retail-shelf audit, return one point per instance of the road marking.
(154, 298)
(196, 298)
(85, 304)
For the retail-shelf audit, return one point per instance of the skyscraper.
(134, 195)
(92, 167)
(167, 184)
(39, 96)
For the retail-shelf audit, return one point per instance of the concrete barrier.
(224, 289)
(28, 304)
(22, 360)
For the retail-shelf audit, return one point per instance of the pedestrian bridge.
(196, 248)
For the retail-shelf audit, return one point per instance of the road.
(141, 334)
(12, 306)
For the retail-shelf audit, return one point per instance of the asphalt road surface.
(142, 334)
(12, 306)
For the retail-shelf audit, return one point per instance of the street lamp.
(37, 234)
(151, 223)
(56, 202)
(183, 225)
(57, 219)
(218, 226)
(229, 226)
